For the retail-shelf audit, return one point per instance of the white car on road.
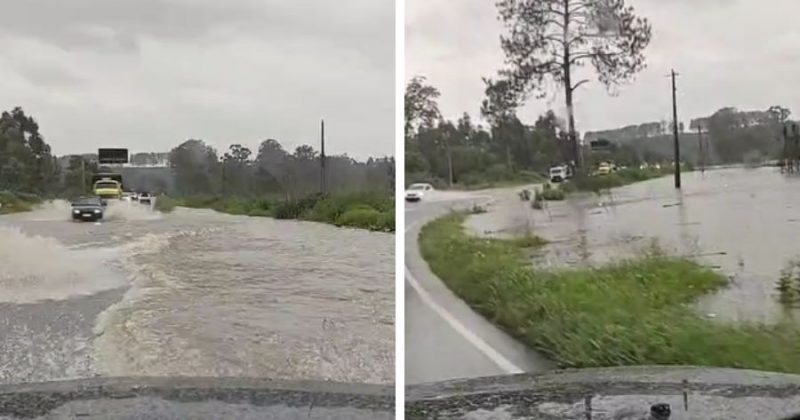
(145, 198)
(417, 191)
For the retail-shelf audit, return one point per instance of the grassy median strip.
(635, 312)
(620, 178)
(372, 211)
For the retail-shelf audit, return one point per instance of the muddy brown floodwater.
(193, 293)
(743, 222)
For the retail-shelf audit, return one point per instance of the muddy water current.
(192, 293)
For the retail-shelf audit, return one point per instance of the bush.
(551, 194)
(363, 217)
(165, 203)
(286, 210)
(331, 207)
(386, 222)
(17, 202)
(296, 209)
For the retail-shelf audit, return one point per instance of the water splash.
(59, 210)
(34, 268)
(126, 210)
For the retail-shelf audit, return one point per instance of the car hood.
(611, 393)
(174, 398)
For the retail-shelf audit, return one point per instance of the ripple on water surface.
(258, 298)
(205, 294)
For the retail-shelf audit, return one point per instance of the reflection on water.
(200, 294)
(743, 222)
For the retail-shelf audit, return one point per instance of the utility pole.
(449, 159)
(796, 148)
(83, 175)
(702, 158)
(323, 187)
(675, 132)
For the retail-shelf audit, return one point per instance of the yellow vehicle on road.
(108, 189)
(605, 168)
(107, 186)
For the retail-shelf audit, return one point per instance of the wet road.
(742, 222)
(445, 339)
(193, 293)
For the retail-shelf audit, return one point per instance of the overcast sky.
(149, 74)
(728, 53)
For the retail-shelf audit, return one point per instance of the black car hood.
(195, 398)
(614, 393)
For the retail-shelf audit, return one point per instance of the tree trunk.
(509, 163)
(449, 163)
(573, 138)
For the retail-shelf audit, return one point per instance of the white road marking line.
(501, 361)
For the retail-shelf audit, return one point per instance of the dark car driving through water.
(87, 208)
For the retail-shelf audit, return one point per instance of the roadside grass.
(364, 210)
(11, 202)
(634, 312)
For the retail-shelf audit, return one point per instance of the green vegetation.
(284, 185)
(26, 163)
(17, 202)
(788, 284)
(622, 177)
(547, 193)
(373, 211)
(496, 179)
(550, 193)
(633, 312)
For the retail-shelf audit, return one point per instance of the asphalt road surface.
(445, 339)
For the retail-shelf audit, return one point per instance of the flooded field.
(742, 222)
(193, 293)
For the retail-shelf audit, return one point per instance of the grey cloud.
(106, 25)
(151, 73)
(738, 53)
(86, 23)
(49, 76)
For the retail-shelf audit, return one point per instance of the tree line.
(462, 152)
(725, 137)
(272, 170)
(27, 165)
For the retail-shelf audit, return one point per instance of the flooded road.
(193, 293)
(742, 222)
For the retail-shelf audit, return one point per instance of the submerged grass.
(635, 312)
(622, 177)
(367, 210)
